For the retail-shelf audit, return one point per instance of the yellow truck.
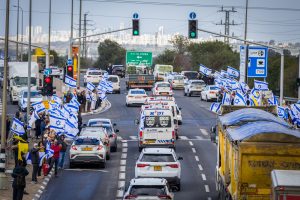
(251, 143)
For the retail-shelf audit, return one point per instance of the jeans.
(35, 168)
(61, 159)
(53, 161)
(18, 193)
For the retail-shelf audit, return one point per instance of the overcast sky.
(265, 23)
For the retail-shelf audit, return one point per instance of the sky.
(264, 22)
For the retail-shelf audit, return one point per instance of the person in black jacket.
(19, 182)
(35, 157)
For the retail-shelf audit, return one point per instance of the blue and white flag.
(272, 100)
(205, 70)
(74, 102)
(244, 87)
(217, 74)
(281, 112)
(66, 111)
(56, 99)
(54, 105)
(70, 129)
(56, 112)
(71, 82)
(72, 108)
(235, 85)
(142, 120)
(103, 96)
(239, 100)
(105, 76)
(17, 127)
(233, 72)
(88, 96)
(48, 151)
(215, 107)
(39, 107)
(226, 99)
(294, 114)
(57, 123)
(255, 99)
(34, 116)
(260, 85)
(90, 87)
(224, 73)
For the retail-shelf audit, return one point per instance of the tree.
(110, 52)
(180, 44)
(166, 57)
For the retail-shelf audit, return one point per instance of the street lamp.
(20, 8)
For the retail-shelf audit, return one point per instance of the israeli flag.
(54, 105)
(204, 70)
(72, 108)
(103, 96)
(39, 107)
(66, 111)
(142, 120)
(239, 100)
(75, 102)
(90, 87)
(272, 100)
(71, 82)
(34, 116)
(233, 72)
(244, 87)
(56, 99)
(224, 73)
(255, 97)
(70, 130)
(105, 76)
(73, 120)
(217, 74)
(56, 112)
(260, 85)
(41, 158)
(294, 115)
(57, 123)
(88, 96)
(235, 85)
(48, 151)
(281, 112)
(226, 99)
(109, 86)
(215, 107)
(17, 127)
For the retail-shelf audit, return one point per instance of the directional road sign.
(47, 71)
(139, 58)
(192, 15)
(69, 62)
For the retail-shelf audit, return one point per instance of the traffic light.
(193, 29)
(47, 86)
(135, 27)
(69, 70)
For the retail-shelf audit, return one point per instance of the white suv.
(159, 163)
(162, 88)
(194, 87)
(148, 188)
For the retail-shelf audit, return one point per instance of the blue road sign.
(47, 71)
(257, 61)
(193, 15)
(135, 16)
(69, 62)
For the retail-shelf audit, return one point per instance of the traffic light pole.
(256, 43)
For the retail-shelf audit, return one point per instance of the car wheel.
(113, 149)
(201, 97)
(103, 165)
(178, 187)
(107, 156)
(190, 94)
(140, 149)
(206, 99)
(179, 122)
(119, 92)
(184, 93)
(127, 105)
(71, 165)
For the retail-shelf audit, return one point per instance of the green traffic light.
(135, 32)
(193, 34)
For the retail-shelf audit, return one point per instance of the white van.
(93, 75)
(156, 128)
(115, 83)
(160, 71)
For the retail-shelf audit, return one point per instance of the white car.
(115, 83)
(179, 115)
(209, 93)
(99, 133)
(35, 96)
(162, 88)
(148, 188)
(136, 97)
(93, 76)
(87, 150)
(177, 81)
(159, 163)
(193, 87)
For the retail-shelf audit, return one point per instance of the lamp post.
(29, 60)
(22, 34)
(49, 37)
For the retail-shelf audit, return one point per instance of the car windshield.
(32, 95)
(163, 85)
(145, 190)
(95, 73)
(198, 83)
(113, 79)
(178, 77)
(157, 158)
(22, 81)
(157, 122)
(191, 75)
(137, 92)
(87, 141)
(98, 123)
(213, 88)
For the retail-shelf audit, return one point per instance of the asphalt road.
(198, 164)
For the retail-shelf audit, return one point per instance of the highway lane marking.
(194, 150)
(203, 177)
(200, 167)
(191, 143)
(125, 144)
(204, 131)
(124, 156)
(206, 188)
(133, 137)
(120, 193)
(124, 150)
(123, 141)
(123, 162)
(119, 138)
(209, 198)
(122, 176)
(183, 137)
(199, 137)
(197, 158)
(80, 170)
(121, 184)
(122, 168)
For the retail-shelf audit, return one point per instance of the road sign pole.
(299, 76)
(281, 77)
(246, 62)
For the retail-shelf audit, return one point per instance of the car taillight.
(130, 196)
(99, 147)
(144, 96)
(74, 147)
(114, 135)
(173, 165)
(173, 81)
(141, 134)
(156, 88)
(89, 76)
(211, 92)
(173, 134)
(164, 196)
(142, 165)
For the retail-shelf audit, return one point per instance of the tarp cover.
(254, 128)
(250, 115)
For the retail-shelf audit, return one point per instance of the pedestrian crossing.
(181, 137)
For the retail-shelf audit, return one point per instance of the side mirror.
(136, 122)
(180, 108)
(117, 131)
(180, 158)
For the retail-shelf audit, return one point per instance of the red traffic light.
(47, 80)
(70, 68)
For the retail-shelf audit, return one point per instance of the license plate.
(87, 149)
(157, 168)
(164, 93)
(150, 141)
(138, 97)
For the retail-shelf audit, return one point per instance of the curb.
(99, 110)
(42, 188)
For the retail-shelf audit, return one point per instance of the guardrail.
(289, 100)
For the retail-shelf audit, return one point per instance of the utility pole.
(79, 53)
(3, 177)
(17, 44)
(246, 45)
(71, 36)
(299, 76)
(227, 23)
(84, 34)
(29, 59)
(49, 37)
(20, 8)
(281, 77)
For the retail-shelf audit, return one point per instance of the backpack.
(20, 181)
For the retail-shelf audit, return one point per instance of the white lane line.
(124, 150)
(199, 137)
(133, 137)
(194, 150)
(122, 176)
(120, 193)
(125, 144)
(121, 184)
(123, 162)
(119, 138)
(183, 138)
(204, 131)
(197, 158)
(122, 168)
(191, 143)
(200, 167)
(124, 141)
(209, 198)
(203, 177)
(206, 188)
(124, 156)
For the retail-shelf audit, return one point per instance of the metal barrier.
(289, 100)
